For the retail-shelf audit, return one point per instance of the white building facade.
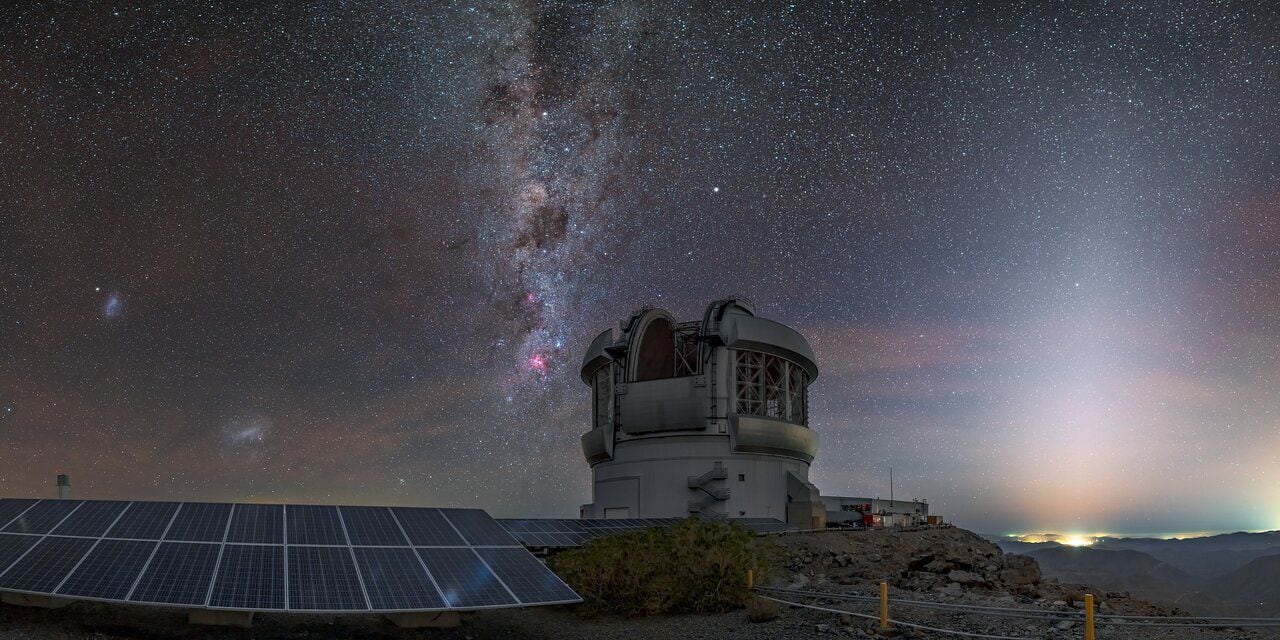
(708, 417)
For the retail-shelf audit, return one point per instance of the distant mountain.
(1013, 545)
(1255, 584)
(1228, 574)
(1115, 570)
(1204, 557)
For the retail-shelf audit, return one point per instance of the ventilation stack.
(64, 486)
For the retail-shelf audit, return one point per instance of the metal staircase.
(704, 505)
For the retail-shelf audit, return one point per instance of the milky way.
(347, 251)
(552, 116)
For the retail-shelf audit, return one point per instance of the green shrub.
(695, 566)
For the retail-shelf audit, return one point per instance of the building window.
(742, 477)
(770, 386)
(602, 389)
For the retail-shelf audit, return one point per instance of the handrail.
(1087, 617)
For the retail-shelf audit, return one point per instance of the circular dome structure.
(705, 417)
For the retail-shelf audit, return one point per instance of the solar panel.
(310, 524)
(11, 508)
(45, 565)
(464, 580)
(324, 579)
(110, 569)
(526, 576)
(200, 522)
(478, 528)
(179, 573)
(427, 527)
(42, 516)
(272, 557)
(144, 521)
(374, 526)
(249, 577)
(560, 533)
(259, 523)
(396, 580)
(91, 519)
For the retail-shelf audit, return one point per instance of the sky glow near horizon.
(349, 253)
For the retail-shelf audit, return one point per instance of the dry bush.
(696, 566)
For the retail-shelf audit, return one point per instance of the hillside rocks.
(1021, 574)
(929, 560)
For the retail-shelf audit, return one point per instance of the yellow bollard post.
(751, 579)
(884, 606)
(1088, 616)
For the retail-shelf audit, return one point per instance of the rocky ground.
(957, 566)
(942, 565)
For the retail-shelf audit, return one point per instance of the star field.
(349, 252)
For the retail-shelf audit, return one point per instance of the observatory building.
(708, 417)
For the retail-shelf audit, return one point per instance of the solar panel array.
(269, 557)
(553, 533)
(571, 533)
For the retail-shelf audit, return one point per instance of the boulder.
(1020, 574)
(965, 577)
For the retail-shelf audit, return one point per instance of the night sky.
(348, 253)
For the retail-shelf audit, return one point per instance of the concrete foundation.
(30, 600)
(220, 618)
(431, 619)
